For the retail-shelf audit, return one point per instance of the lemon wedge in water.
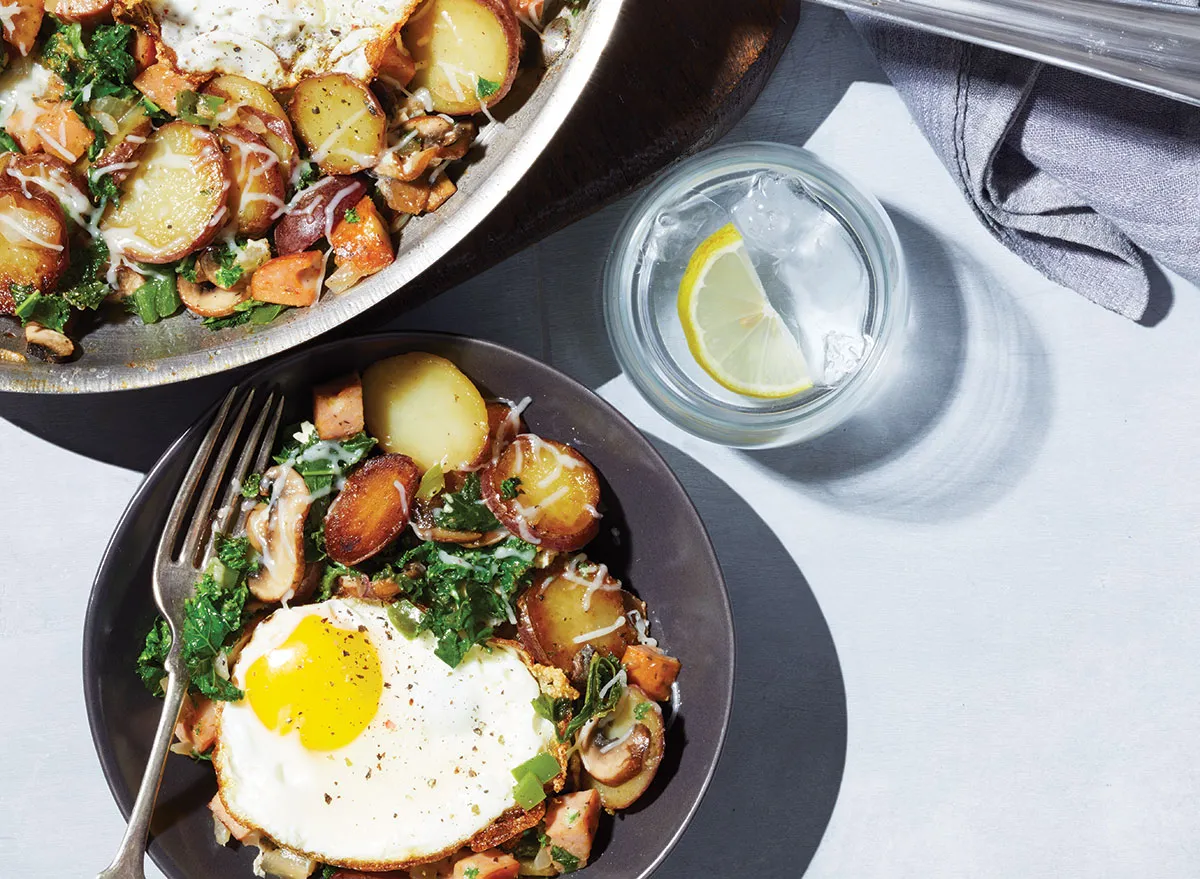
(732, 329)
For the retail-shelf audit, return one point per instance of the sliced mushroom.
(47, 344)
(276, 531)
(613, 760)
(210, 301)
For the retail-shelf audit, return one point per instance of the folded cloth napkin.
(1076, 175)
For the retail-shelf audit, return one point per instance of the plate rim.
(91, 685)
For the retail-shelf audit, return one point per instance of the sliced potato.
(175, 201)
(504, 425)
(465, 52)
(555, 504)
(421, 405)
(238, 92)
(637, 724)
(372, 508)
(573, 605)
(251, 105)
(33, 241)
(256, 195)
(316, 212)
(293, 280)
(340, 121)
(49, 175)
(22, 21)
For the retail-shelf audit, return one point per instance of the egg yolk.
(323, 681)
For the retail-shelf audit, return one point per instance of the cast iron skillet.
(651, 537)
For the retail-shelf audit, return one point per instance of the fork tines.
(194, 520)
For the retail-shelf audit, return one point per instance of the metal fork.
(186, 546)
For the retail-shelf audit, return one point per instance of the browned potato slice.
(33, 242)
(49, 175)
(280, 529)
(573, 605)
(504, 425)
(133, 128)
(465, 52)
(340, 121)
(422, 405)
(251, 105)
(638, 725)
(316, 213)
(555, 506)
(257, 191)
(22, 21)
(371, 509)
(175, 201)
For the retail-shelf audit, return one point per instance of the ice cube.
(677, 231)
(775, 213)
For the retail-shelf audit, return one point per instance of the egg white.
(278, 42)
(432, 768)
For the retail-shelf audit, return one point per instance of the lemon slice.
(731, 327)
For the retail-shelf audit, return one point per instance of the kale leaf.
(92, 67)
(465, 592)
(569, 862)
(601, 671)
(150, 661)
(510, 487)
(249, 312)
(83, 284)
(7, 144)
(47, 309)
(464, 510)
(322, 462)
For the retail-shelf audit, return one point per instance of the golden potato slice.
(465, 52)
(504, 425)
(372, 508)
(33, 242)
(637, 724)
(573, 605)
(175, 201)
(251, 105)
(257, 192)
(421, 405)
(50, 175)
(340, 121)
(556, 497)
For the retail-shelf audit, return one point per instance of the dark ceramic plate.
(651, 537)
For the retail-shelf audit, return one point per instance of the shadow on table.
(787, 736)
(964, 408)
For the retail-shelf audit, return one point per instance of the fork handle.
(128, 864)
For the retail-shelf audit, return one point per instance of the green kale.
(309, 174)
(333, 570)
(211, 616)
(564, 858)
(471, 873)
(229, 272)
(103, 187)
(236, 554)
(156, 299)
(465, 592)
(187, 268)
(248, 312)
(485, 88)
(7, 144)
(528, 846)
(47, 309)
(83, 284)
(251, 485)
(328, 871)
(92, 67)
(157, 114)
(322, 462)
(150, 661)
(554, 710)
(510, 487)
(601, 671)
(464, 510)
(351, 216)
(198, 109)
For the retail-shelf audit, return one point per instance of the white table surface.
(1004, 550)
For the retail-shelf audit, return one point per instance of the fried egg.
(278, 42)
(359, 747)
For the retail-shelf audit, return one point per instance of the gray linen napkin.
(1075, 175)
